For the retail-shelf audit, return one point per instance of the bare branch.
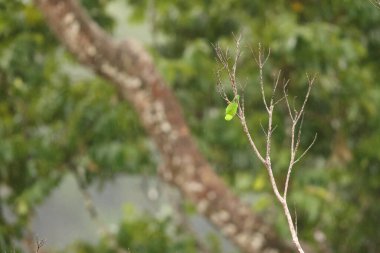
(274, 88)
(241, 106)
(268, 54)
(298, 141)
(310, 85)
(262, 128)
(291, 163)
(309, 147)
(295, 108)
(251, 142)
(278, 101)
(39, 244)
(241, 86)
(274, 128)
(254, 56)
(268, 147)
(223, 59)
(295, 116)
(260, 60)
(237, 56)
(295, 142)
(375, 3)
(270, 118)
(220, 87)
(286, 94)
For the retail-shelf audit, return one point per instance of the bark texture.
(130, 68)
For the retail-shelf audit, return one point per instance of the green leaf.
(231, 109)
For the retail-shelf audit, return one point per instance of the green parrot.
(231, 108)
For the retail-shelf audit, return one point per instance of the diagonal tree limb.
(131, 70)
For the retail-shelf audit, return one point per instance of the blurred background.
(69, 144)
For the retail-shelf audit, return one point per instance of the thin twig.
(309, 147)
(274, 128)
(260, 63)
(296, 141)
(278, 101)
(299, 134)
(39, 244)
(220, 87)
(237, 56)
(275, 88)
(262, 128)
(286, 94)
(93, 213)
(251, 142)
(311, 82)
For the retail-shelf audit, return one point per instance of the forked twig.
(39, 244)
(295, 115)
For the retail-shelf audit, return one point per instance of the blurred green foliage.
(54, 118)
(142, 233)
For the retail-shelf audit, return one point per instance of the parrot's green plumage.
(231, 108)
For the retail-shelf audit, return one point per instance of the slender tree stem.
(295, 116)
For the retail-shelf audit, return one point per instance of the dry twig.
(295, 115)
(39, 244)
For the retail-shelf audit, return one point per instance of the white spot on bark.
(242, 238)
(220, 217)
(173, 135)
(73, 29)
(176, 160)
(215, 218)
(167, 147)
(69, 18)
(186, 159)
(130, 82)
(91, 50)
(202, 206)
(211, 195)
(190, 170)
(265, 229)
(243, 211)
(166, 127)
(159, 111)
(270, 251)
(148, 115)
(108, 69)
(223, 215)
(167, 175)
(194, 186)
(257, 241)
(229, 229)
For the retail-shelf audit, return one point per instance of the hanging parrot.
(231, 108)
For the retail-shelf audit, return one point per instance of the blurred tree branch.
(375, 3)
(131, 70)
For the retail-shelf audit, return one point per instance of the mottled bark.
(129, 67)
